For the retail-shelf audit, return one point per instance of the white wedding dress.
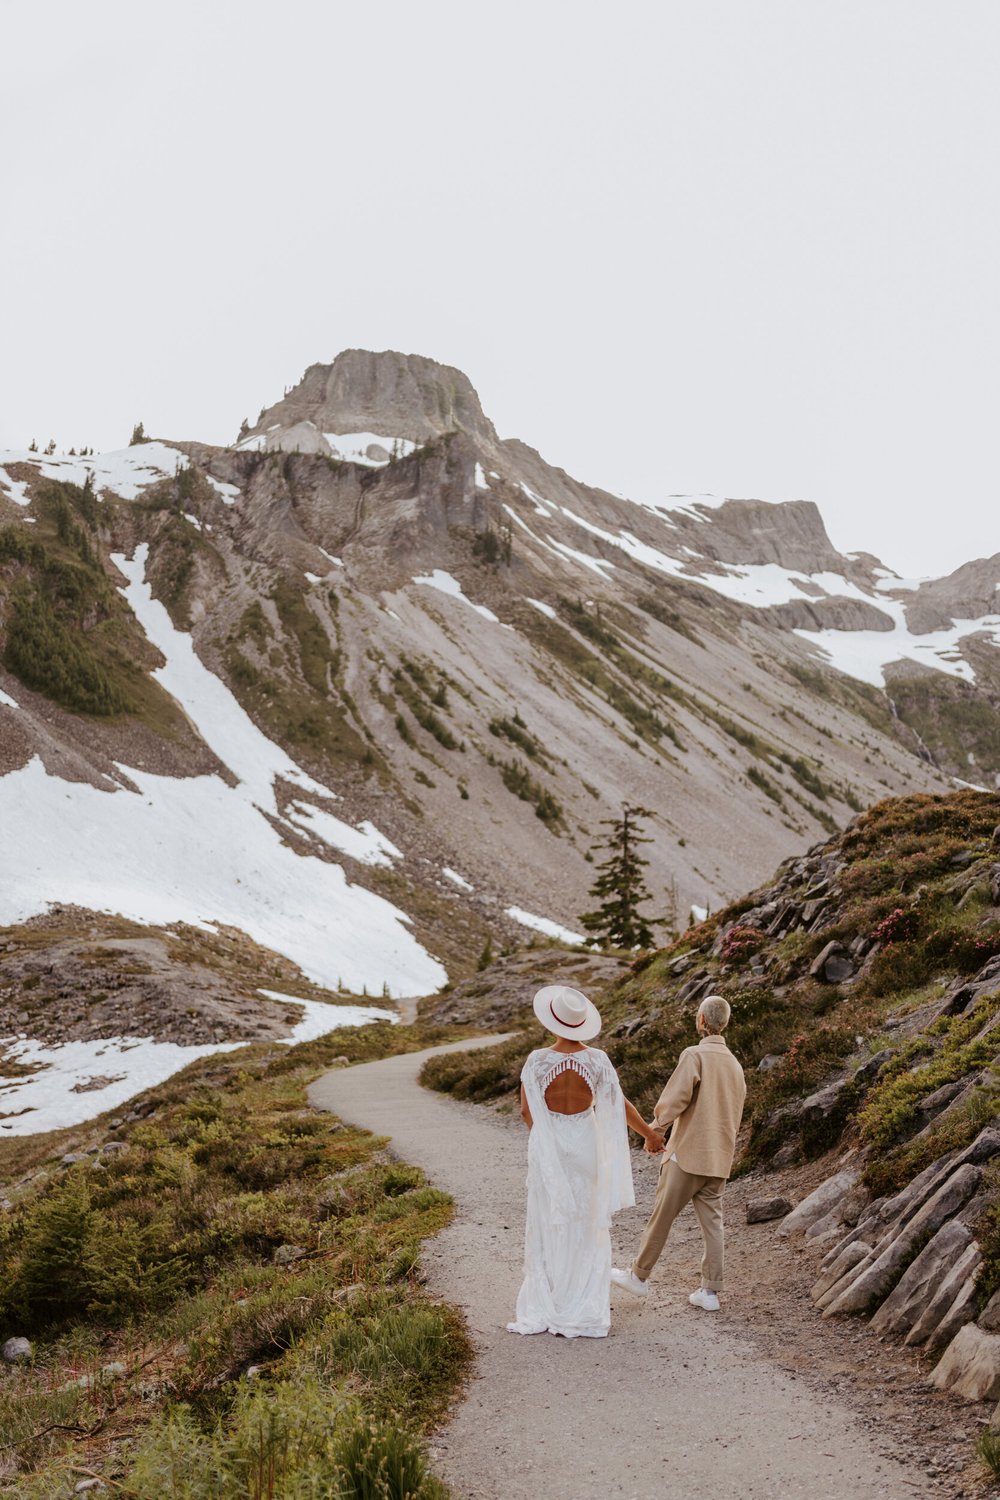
(579, 1174)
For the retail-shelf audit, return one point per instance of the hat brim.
(588, 1028)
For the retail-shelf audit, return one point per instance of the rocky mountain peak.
(400, 396)
(791, 534)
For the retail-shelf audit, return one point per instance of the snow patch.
(7, 700)
(230, 492)
(865, 654)
(456, 879)
(353, 447)
(541, 506)
(481, 483)
(363, 843)
(45, 1100)
(445, 584)
(595, 564)
(337, 561)
(546, 609)
(544, 925)
(17, 489)
(125, 472)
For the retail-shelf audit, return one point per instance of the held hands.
(655, 1141)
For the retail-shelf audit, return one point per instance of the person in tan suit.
(703, 1102)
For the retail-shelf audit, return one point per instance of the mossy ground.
(174, 1356)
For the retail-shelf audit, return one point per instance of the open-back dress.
(579, 1174)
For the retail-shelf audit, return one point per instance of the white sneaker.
(629, 1282)
(702, 1298)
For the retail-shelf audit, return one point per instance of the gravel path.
(673, 1406)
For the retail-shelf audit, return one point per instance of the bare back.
(565, 1086)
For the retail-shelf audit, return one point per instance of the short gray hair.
(716, 1012)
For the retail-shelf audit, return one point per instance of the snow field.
(195, 849)
(45, 1100)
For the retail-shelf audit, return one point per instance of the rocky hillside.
(865, 986)
(365, 683)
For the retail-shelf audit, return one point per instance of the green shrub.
(519, 780)
(52, 659)
(892, 1106)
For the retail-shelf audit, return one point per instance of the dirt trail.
(673, 1406)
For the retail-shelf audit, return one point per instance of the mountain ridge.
(477, 656)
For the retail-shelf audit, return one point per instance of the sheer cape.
(613, 1186)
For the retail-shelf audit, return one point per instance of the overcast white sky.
(744, 246)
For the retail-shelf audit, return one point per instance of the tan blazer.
(703, 1100)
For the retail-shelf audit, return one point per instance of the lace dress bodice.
(548, 1064)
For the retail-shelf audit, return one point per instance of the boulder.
(995, 884)
(819, 1201)
(760, 1210)
(851, 1256)
(970, 1366)
(694, 989)
(847, 1211)
(819, 1229)
(931, 1103)
(286, 1254)
(962, 1308)
(869, 1071)
(17, 1351)
(72, 1157)
(921, 1279)
(772, 1060)
(989, 1318)
(833, 964)
(824, 1103)
(894, 1251)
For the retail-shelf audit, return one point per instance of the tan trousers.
(674, 1191)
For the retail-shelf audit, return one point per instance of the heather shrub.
(900, 926)
(741, 943)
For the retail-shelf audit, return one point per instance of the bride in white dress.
(579, 1171)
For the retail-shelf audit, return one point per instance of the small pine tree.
(50, 447)
(138, 435)
(620, 886)
(244, 428)
(33, 446)
(672, 906)
(486, 957)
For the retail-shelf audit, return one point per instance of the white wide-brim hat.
(567, 1012)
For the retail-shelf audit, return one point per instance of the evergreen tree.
(32, 446)
(50, 447)
(138, 435)
(244, 428)
(620, 886)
